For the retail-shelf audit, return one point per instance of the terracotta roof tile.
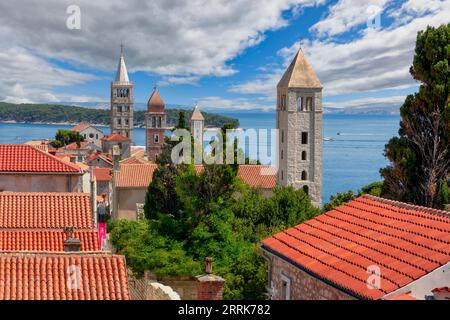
(81, 126)
(134, 160)
(115, 137)
(155, 103)
(133, 174)
(74, 145)
(63, 276)
(53, 210)
(25, 158)
(102, 174)
(102, 156)
(44, 239)
(260, 176)
(405, 242)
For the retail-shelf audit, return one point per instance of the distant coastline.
(72, 115)
(52, 123)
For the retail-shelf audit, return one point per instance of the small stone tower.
(299, 120)
(155, 123)
(122, 101)
(197, 125)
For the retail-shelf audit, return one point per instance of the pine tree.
(420, 155)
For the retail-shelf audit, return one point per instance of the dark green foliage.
(374, 189)
(146, 249)
(420, 155)
(65, 137)
(339, 199)
(208, 214)
(48, 113)
(181, 120)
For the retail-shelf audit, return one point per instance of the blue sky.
(225, 55)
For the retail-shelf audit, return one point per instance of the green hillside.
(53, 113)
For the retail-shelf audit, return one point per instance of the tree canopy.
(192, 215)
(65, 137)
(420, 155)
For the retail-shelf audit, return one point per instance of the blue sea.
(352, 158)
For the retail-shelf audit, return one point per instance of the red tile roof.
(115, 137)
(44, 239)
(133, 174)
(406, 242)
(102, 156)
(81, 126)
(134, 160)
(258, 176)
(63, 276)
(25, 158)
(102, 174)
(53, 210)
(74, 145)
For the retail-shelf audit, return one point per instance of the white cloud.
(232, 104)
(389, 101)
(379, 59)
(265, 85)
(28, 78)
(169, 80)
(347, 14)
(180, 40)
(168, 37)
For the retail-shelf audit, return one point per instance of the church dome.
(155, 103)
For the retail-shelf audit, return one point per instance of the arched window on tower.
(153, 122)
(304, 175)
(309, 102)
(303, 155)
(306, 190)
(300, 105)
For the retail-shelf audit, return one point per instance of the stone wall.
(127, 198)
(41, 183)
(146, 288)
(292, 123)
(186, 287)
(302, 285)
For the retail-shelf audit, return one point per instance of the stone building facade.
(116, 139)
(299, 121)
(89, 132)
(155, 124)
(291, 283)
(122, 97)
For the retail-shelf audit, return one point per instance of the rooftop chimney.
(209, 286)
(71, 244)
